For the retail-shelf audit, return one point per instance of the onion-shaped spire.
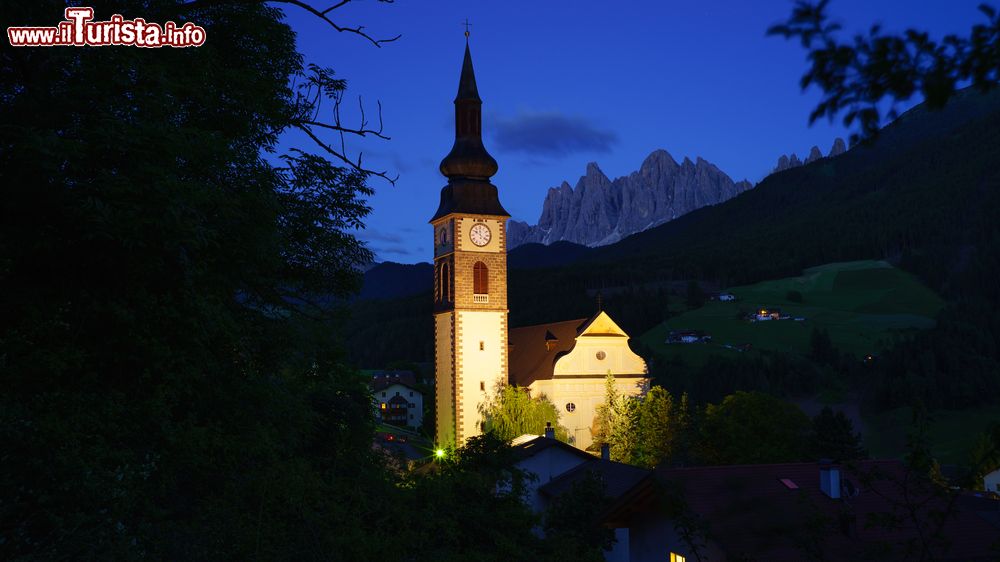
(468, 158)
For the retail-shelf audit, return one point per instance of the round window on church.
(601, 355)
(570, 407)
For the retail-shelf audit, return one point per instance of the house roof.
(530, 445)
(530, 359)
(750, 510)
(618, 477)
(385, 379)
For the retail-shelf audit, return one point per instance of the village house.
(792, 512)
(556, 467)
(991, 481)
(727, 297)
(397, 400)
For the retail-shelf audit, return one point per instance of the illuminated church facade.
(474, 349)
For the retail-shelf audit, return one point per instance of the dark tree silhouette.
(857, 75)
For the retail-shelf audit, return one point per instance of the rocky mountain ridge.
(600, 211)
(789, 161)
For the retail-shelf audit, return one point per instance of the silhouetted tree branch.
(321, 13)
(856, 76)
(320, 84)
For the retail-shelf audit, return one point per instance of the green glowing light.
(439, 453)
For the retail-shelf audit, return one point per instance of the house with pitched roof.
(397, 400)
(556, 468)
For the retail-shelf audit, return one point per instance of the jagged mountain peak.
(600, 211)
(658, 158)
(791, 161)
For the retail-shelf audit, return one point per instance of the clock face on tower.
(480, 234)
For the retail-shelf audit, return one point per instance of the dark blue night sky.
(569, 82)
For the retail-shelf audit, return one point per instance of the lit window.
(674, 557)
(570, 407)
(482, 386)
(482, 346)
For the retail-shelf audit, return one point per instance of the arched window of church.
(445, 283)
(480, 278)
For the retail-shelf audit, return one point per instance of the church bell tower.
(470, 275)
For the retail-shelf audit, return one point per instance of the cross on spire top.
(467, 25)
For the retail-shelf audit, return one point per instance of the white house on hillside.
(397, 401)
(991, 482)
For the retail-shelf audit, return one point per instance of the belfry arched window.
(480, 278)
(445, 282)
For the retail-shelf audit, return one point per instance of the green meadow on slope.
(861, 304)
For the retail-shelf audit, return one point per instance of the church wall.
(587, 394)
(444, 378)
(583, 359)
(479, 368)
(584, 386)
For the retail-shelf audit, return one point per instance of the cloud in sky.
(551, 134)
(372, 235)
(395, 252)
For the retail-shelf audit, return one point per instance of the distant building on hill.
(764, 314)
(726, 297)
(688, 336)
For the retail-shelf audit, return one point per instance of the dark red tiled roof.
(385, 379)
(750, 511)
(529, 357)
(618, 477)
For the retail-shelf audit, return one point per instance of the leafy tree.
(857, 75)
(616, 423)
(662, 429)
(469, 506)
(985, 456)
(173, 386)
(751, 428)
(512, 412)
(834, 437)
(572, 527)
